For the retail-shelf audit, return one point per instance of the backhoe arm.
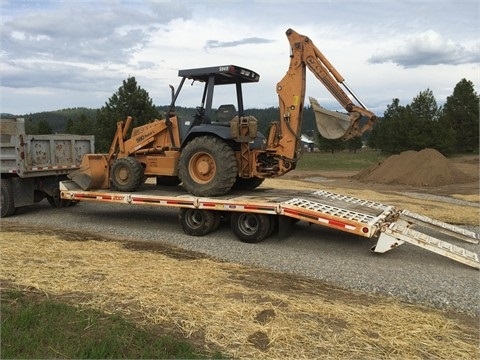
(331, 125)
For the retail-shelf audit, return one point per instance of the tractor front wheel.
(127, 174)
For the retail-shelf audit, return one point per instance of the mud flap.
(93, 172)
(332, 124)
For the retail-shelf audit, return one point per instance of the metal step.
(414, 237)
(445, 228)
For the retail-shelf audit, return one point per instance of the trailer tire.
(208, 166)
(127, 174)
(250, 227)
(247, 184)
(7, 199)
(199, 222)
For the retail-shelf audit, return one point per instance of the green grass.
(344, 160)
(36, 327)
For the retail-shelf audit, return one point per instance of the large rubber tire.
(127, 174)
(7, 200)
(251, 227)
(208, 166)
(199, 222)
(247, 184)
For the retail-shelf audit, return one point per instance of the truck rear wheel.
(251, 227)
(7, 200)
(127, 174)
(199, 222)
(208, 166)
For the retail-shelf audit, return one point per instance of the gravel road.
(407, 272)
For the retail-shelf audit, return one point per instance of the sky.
(64, 54)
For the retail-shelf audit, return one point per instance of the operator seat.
(226, 112)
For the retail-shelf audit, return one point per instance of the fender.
(222, 131)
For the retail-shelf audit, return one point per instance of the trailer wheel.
(127, 174)
(198, 222)
(251, 227)
(7, 200)
(247, 184)
(207, 166)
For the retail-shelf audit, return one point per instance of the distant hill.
(58, 119)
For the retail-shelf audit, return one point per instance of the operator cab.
(213, 76)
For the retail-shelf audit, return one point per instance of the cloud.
(224, 44)
(74, 36)
(75, 24)
(427, 48)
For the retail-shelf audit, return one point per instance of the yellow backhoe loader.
(212, 157)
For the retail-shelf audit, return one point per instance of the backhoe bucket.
(93, 172)
(332, 124)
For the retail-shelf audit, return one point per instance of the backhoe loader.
(211, 157)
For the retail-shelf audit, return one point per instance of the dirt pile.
(427, 167)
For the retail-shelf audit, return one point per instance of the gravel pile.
(407, 272)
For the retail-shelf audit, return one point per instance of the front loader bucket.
(93, 172)
(332, 124)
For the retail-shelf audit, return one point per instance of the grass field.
(35, 327)
(344, 160)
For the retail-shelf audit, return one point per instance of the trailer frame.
(256, 214)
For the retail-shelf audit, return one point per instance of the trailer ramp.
(400, 231)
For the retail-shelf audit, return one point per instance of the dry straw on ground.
(243, 312)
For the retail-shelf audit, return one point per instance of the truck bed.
(43, 155)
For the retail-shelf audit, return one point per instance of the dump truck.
(212, 157)
(33, 165)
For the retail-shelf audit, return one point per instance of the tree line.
(451, 128)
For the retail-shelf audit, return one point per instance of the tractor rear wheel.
(207, 166)
(127, 174)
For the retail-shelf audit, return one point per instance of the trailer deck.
(257, 213)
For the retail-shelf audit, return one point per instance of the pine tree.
(460, 114)
(129, 100)
(43, 128)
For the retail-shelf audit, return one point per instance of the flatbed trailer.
(256, 214)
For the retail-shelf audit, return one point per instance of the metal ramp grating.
(456, 231)
(350, 199)
(433, 244)
(331, 210)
